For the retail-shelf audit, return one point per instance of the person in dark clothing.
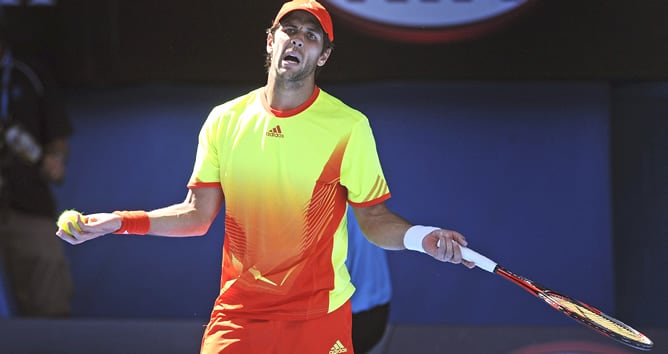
(34, 129)
(370, 274)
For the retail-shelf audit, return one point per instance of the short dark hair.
(327, 44)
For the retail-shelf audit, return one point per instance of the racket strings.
(581, 312)
(599, 319)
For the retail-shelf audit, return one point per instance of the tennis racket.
(579, 311)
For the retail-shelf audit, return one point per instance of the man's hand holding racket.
(444, 245)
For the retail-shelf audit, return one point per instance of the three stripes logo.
(338, 348)
(275, 132)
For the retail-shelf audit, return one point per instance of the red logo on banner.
(427, 21)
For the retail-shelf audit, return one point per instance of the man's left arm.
(390, 231)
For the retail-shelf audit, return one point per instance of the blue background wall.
(640, 217)
(521, 168)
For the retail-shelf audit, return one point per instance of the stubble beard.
(293, 79)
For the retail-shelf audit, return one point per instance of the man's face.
(296, 46)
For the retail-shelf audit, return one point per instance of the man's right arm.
(192, 217)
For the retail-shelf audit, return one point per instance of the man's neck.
(285, 95)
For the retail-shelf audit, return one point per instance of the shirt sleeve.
(361, 171)
(206, 171)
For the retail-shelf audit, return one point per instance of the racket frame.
(547, 295)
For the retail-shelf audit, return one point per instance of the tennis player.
(285, 160)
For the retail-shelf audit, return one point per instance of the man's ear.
(270, 43)
(324, 56)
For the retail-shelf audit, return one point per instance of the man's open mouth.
(292, 59)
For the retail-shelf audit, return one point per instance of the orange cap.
(314, 8)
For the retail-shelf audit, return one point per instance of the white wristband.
(414, 236)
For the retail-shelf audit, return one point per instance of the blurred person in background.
(370, 274)
(34, 128)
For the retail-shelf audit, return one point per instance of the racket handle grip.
(479, 260)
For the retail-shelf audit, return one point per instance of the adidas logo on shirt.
(338, 348)
(275, 132)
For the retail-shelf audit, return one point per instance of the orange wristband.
(134, 222)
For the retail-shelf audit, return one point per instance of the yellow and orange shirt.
(287, 177)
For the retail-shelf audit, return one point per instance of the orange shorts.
(329, 334)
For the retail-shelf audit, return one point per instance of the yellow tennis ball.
(69, 216)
